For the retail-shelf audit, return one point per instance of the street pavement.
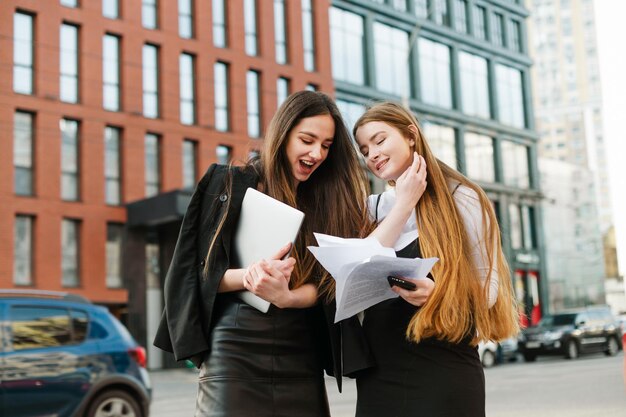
(591, 386)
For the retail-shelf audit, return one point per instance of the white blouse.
(469, 208)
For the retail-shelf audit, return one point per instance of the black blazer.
(190, 297)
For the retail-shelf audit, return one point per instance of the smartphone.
(401, 282)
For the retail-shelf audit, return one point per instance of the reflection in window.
(223, 154)
(219, 23)
(460, 10)
(346, 32)
(185, 19)
(280, 32)
(435, 77)
(149, 18)
(70, 244)
(308, 36)
(392, 65)
(23, 250)
(282, 89)
(112, 171)
(439, 9)
(34, 327)
(528, 227)
(480, 22)
(474, 85)
(69, 3)
(187, 89)
(442, 142)
(189, 164)
(515, 35)
(153, 165)
(80, 324)
(221, 96)
(515, 226)
(114, 255)
(150, 72)
(479, 157)
(497, 29)
(250, 27)
(23, 152)
(510, 96)
(111, 72)
(23, 53)
(111, 9)
(69, 63)
(253, 104)
(69, 160)
(515, 164)
(421, 8)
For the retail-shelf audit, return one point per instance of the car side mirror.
(581, 323)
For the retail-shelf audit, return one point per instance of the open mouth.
(307, 166)
(381, 164)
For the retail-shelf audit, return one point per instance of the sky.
(612, 54)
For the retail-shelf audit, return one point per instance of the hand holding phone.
(401, 282)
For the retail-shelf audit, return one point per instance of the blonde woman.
(425, 352)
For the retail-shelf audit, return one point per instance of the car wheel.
(114, 403)
(612, 347)
(489, 359)
(571, 350)
(529, 357)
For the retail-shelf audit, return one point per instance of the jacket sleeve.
(181, 327)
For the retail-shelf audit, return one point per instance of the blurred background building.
(110, 111)
(567, 93)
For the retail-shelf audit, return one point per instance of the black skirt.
(261, 364)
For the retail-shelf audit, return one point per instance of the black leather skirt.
(261, 364)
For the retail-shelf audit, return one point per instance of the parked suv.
(592, 329)
(62, 356)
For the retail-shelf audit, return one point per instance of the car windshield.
(557, 320)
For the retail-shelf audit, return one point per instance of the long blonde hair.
(457, 307)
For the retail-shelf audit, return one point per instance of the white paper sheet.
(360, 268)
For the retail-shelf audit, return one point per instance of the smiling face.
(308, 145)
(388, 153)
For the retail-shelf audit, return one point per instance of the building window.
(190, 166)
(346, 31)
(219, 23)
(111, 72)
(479, 157)
(254, 106)
(480, 22)
(23, 250)
(282, 89)
(111, 9)
(442, 141)
(439, 10)
(23, 59)
(515, 227)
(474, 85)
(399, 5)
(515, 35)
(435, 76)
(185, 19)
(23, 152)
(153, 164)
(150, 81)
(69, 3)
(187, 89)
(497, 29)
(392, 63)
(149, 14)
(460, 10)
(510, 96)
(280, 32)
(221, 96)
(310, 87)
(515, 164)
(223, 154)
(528, 227)
(250, 27)
(351, 112)
(115, 232)
(69, 160)
(308, 36)
(112, 171)
(70, 244)
(421, 9)
(69, 63)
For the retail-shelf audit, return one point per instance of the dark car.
(571, 333)
(62, 356)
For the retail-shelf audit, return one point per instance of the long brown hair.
(333, 198)
(453, 310)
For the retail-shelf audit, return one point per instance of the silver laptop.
(265, 226)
